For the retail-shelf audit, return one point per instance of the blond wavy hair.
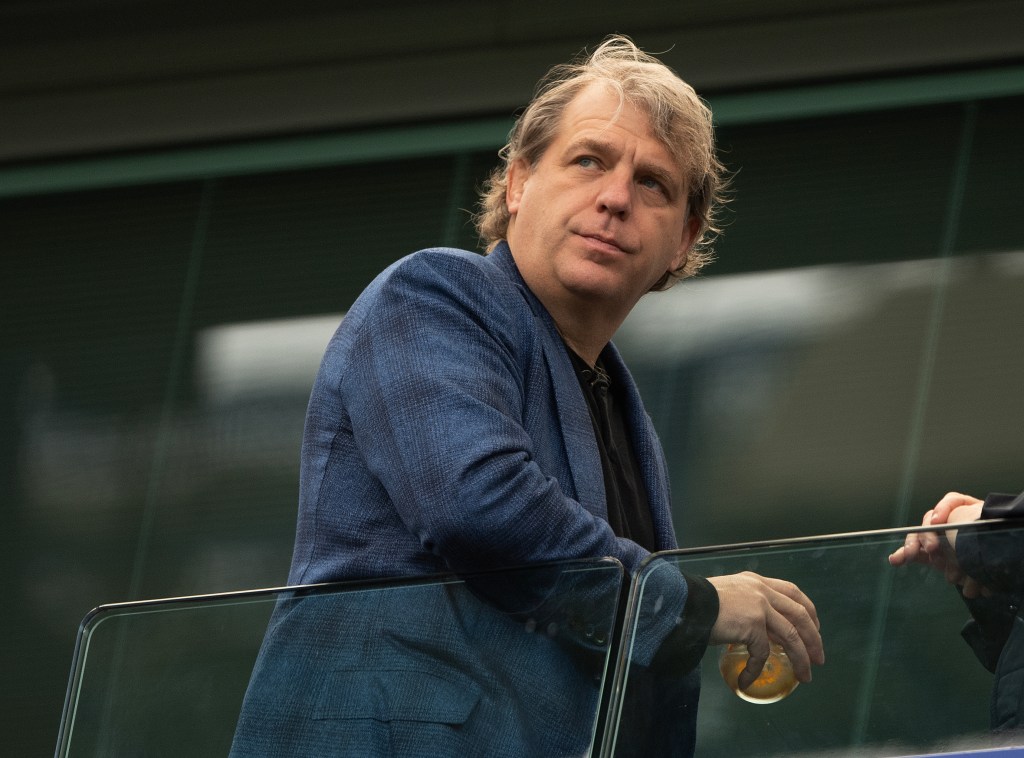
(679, 118)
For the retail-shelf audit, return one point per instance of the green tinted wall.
(853, 353)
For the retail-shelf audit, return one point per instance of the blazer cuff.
(686, 644)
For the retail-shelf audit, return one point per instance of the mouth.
(605, 243)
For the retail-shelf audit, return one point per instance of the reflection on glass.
(506, 663)
(775, 681)
(516, 663)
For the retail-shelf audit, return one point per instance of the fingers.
(966, 514)
(949, 503)
(929, 541)
(755, 663)
(917, 546)
(908, 552)
(927, 547)
(793, 623)
(899, 557)
(971, 589)
(799, 606)
(755, 610)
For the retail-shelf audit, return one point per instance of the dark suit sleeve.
(994, 557)
(686, 644)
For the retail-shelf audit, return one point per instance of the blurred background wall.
(192, 194)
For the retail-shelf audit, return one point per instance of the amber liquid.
(776, 681)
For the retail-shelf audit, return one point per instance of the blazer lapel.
(573, 416)
(577, 426)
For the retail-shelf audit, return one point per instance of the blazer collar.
(573, 416)
(577, 427)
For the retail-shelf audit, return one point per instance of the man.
(471, 412)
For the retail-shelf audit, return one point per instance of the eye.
(649, 182)
(586, 161)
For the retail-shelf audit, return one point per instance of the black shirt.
(629, 514)
(629, 511)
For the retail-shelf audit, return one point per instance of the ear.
(518, 173)
(691, 228)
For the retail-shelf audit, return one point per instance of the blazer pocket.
(397, 695)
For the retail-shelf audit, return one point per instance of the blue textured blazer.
(447, 432)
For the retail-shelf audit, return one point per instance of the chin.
(599, 288)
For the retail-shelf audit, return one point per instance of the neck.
(586, 323)
(586, 334)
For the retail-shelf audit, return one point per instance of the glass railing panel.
(152, 678)
(898, 679)
(506, 663)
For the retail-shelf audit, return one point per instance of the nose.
(615, 195)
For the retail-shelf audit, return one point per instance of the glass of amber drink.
(775, 681)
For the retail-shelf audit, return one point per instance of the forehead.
(598, 105)
(598, 112)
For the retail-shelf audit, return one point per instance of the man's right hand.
(755, 610)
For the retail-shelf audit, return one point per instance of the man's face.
(602, 215)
